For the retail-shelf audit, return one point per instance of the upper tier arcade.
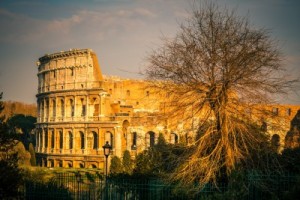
(68, 70)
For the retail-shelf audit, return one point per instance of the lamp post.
(106, 150)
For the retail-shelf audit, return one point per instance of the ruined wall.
(79, 109)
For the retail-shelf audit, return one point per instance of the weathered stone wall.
(79, 109)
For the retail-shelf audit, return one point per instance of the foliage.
(10, 174)
(294, 191)
(116, 165)
(219, 68)
(127, 162)
(32, 154)
(290, 160)
(147, 162)
(23, 126)
(160, 160)
(23, 155)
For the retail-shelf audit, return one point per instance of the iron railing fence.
(78, 185)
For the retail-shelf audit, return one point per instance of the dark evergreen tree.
(127, 162)
(116, 165)
(23, 125)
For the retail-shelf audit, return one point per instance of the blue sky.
(121, 32)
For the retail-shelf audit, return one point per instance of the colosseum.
(79, 109)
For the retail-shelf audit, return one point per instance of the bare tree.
(225, 71)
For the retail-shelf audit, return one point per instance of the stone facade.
(79, 109)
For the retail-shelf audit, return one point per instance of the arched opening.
(60, 163)
(47, 108)
(174, 138)
(70, 165)
(51, 163)
(62, 108)
(110, 138)
(134, 139)
(52, 139)
(95, 102)
(46, 138)
(53, 108)
(41, 139)
(82, 107)
(42, 110)
(70, 140)
(150, 139)
(61, 142)
(71, 107)
(82, 145)
(275, 142)
(95, 140)
(93, 166)
(81, 165)
(125, 126)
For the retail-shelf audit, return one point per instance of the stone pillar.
(64, 140)
(101, 139)
(118, 142)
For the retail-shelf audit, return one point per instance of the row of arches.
(60, 107)
(44, 162)
(90, 141)
(67, 139)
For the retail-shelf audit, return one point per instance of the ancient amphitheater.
(79, 109)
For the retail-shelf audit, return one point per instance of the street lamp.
(106, 150)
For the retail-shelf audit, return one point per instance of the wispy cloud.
(23, 29)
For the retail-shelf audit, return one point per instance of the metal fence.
(94, 186)
(67, 186)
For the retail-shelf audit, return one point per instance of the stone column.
(118, 142)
